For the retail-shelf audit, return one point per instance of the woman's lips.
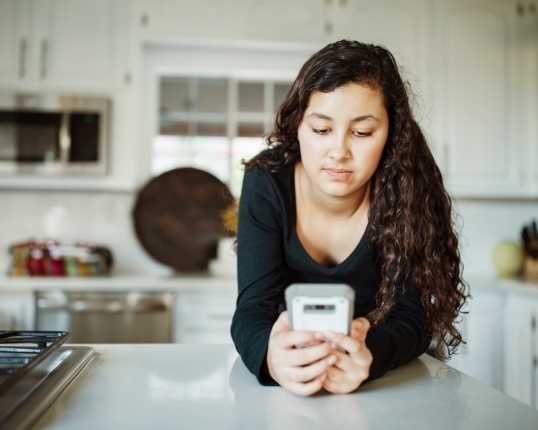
(338, 173)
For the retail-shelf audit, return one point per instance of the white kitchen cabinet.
(187, 18)
(478, 76)
(61, 43)
(203, 318)
(273, 20)
(14, 33)
(481, 328)
(520, 348)
(17, 310)
(402, 26)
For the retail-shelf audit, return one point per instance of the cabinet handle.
(44, 51)
(22, 58)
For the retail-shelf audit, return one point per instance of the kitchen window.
(212, 124)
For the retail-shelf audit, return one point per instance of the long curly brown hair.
(410, 211)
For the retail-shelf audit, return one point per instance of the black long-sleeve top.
(271, 257)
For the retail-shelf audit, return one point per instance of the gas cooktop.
(35, 368)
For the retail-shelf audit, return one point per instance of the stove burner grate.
(22, 351)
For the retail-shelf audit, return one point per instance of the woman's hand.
(300, 370)
(353, 366)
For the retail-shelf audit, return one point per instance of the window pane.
(250, 97)
(175, 94)
(249, 129)
(175, 128)
(206, 153)
(212, 95)
(281, 90)
(243, 148)
(211, 129)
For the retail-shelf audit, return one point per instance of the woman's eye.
(320, 131)
(362, 133)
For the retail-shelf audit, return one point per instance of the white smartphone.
(318, 307)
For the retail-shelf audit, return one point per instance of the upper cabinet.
(275, 20)
(483, 119)
(62, 43)
(14, 34)
(402, 26)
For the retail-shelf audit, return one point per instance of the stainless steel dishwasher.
(107, 317)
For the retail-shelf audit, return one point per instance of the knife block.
(530, 269)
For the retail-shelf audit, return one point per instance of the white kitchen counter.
(192, 283)
(208, 387)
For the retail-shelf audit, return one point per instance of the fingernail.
(323, 377)
(332, 359)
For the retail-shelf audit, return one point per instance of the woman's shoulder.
(270, 161)
(262, 178)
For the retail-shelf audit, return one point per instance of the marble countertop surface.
(207, 387)
(184, 283)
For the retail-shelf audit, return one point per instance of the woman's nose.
(339, 148)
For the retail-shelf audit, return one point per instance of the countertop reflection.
(207, 386)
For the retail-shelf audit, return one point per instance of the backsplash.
(101, 217)
(105, 218)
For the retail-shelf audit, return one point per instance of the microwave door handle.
(65, 139)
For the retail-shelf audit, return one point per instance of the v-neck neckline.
(314, 263)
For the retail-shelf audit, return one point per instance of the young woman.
(348, 192)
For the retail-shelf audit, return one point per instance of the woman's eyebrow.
(365, 117)
(357, 119)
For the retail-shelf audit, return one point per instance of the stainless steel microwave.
(53, 134)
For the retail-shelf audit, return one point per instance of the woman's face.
(341, 138)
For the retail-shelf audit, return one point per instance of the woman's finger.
(352, 346)
(359, 329)
(289, 339)
(282, 322)
(308, 373)
(308, 388)
(305, 356)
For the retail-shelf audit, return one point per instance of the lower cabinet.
(199, 318)
(17, 310)
(481, 329)
(203, 318)
(520, 350)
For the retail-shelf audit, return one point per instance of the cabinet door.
(281, 20)
(478, 70)
(78, 41)
(187, 18)
(481, 328)
(519, 322)
(17, 310)
(203, 318)
(402, 26)
(14, 40)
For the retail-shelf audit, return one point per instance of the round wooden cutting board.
(177, 218)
